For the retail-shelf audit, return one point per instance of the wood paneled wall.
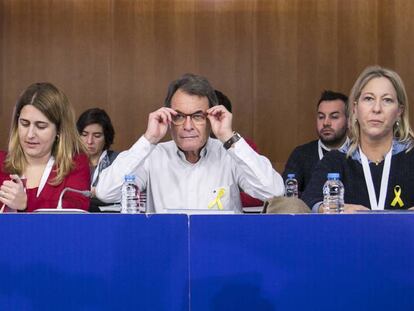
(272, 58)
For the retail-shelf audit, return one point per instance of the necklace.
(377, 162)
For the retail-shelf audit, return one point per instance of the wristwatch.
(235, 138)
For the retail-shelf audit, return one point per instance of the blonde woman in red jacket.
(45, 154)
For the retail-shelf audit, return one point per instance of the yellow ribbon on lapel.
(217, 201)
(397, 199)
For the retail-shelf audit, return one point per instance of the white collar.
(203, 151)
(321, 146)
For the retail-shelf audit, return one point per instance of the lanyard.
(97, 168)
(384, 180)
(45, 175)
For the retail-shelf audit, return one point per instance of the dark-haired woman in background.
(97, 134)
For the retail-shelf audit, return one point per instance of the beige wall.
(272, 58)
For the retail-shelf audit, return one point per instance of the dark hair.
(223, 100)
(193, 85)
(97, 116)
(331, 95)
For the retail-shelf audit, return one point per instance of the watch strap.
(235, 138)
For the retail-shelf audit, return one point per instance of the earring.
(397, 124)
(397, 128)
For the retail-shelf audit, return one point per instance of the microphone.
(59, 209)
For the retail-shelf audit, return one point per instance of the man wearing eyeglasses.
(192, 173)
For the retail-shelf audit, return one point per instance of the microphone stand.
(59, 209)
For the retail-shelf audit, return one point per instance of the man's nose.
(188, 123)
(327, 122)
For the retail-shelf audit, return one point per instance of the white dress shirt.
(174, 184)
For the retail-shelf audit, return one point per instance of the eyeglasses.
(197, 117)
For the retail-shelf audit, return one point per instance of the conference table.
(207, 262)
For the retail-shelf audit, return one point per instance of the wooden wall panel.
(397, 46)
(272, 58)
(317, 62)
(141, 57)
(276, 108)
(224, 37)
(63, 42)
(153, 46)
(357, 39)
(3, 112)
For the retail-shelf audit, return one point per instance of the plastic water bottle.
(130, 195)
(291, 186)
(333, 194)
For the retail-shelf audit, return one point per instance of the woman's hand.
(12, 193)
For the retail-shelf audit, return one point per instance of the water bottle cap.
(129, 178)
(333, 175)
(291, 175)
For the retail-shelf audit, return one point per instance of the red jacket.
(78, 178)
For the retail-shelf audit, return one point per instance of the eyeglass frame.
(191, 115)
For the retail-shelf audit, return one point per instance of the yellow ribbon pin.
(217, 201)
(397, 199)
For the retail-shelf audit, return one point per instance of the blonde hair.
(54, 104)
(402, 131)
